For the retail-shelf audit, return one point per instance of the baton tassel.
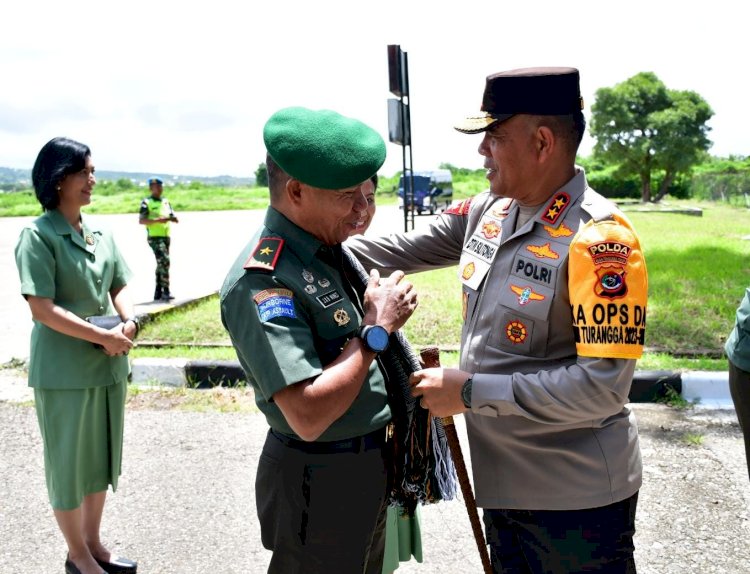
(431, 358)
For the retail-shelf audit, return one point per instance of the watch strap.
(466, 392)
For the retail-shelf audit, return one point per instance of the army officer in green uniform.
(309, 348)
(70, 269)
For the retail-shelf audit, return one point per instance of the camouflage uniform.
(160, 247)
(158, 240)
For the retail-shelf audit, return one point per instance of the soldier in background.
(156, 214)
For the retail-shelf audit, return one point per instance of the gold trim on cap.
(475, 124)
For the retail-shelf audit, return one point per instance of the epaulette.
(459, 207)
(599, 211)
(266, 254)
(555, 208)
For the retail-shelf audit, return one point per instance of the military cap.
(322, 148)
(154, 180)
(536, 91)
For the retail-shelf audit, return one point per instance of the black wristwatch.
(136, 322)
(374, 337)
(466, 392)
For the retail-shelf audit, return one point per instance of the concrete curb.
(705, 389)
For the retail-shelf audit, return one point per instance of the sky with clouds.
(185, 87)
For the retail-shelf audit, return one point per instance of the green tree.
(643, 127)
(124, 184)
(261, 175)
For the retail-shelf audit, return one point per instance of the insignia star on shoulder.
(266, 254)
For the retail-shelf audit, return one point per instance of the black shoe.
(119, 566)
(165, 296)
(157, 294)
(71, 568)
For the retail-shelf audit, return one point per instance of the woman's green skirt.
(82, 432)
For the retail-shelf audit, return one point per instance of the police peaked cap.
(536, 91)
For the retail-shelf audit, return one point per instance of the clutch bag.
(105, 322)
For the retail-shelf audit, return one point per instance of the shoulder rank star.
(556, 207)
(266, 254)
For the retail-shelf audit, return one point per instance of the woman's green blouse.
(77, 271)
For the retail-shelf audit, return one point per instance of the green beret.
(323, 148)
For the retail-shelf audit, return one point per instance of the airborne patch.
(274, 303)
(266, 254)
(556, 207)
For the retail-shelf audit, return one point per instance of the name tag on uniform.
(479, 252)
(329, 298)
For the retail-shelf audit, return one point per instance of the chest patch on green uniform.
(274, 303)
(330, 298)
(266, 254)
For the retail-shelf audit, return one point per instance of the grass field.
(698, 270)
(109, 198)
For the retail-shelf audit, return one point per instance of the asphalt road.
(204, 245)
(186, 501)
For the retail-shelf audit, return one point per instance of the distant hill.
(11, 178)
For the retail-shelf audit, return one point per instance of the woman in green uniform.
(70, 269)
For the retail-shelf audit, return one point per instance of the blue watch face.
(377, 338)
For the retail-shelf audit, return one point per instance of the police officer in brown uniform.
(554, 305)
(309, 345)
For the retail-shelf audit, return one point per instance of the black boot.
(165, 296)
(157, 294)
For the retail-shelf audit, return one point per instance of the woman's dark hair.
(59, 157)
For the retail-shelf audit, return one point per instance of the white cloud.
(186, 87)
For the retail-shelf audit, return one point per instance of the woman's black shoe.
(119, 566)
(71, 568)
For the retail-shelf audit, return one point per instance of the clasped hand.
(119, 340)
(389, 302)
